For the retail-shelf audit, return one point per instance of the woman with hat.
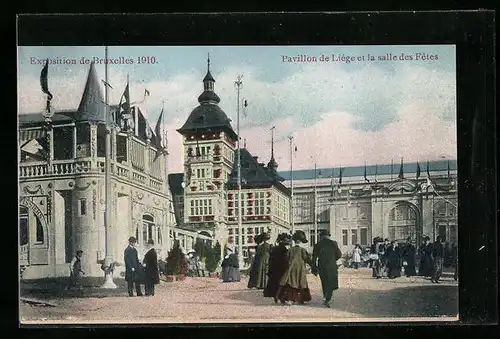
(293, 285)
(278, 260)
(258, 274)
(252, 273)
(230, 267)
(151, 274)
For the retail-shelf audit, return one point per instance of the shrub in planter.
(176, 261)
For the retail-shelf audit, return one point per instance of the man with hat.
(132, 267)
(151, 274)
(325, 255)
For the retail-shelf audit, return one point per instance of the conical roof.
(92, 107)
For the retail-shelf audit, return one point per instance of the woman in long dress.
(278, 260)
(293, 285)
(426, 261)
(394, 261)
(261, 264)
(252, 281)
(409, 258)
(230, 267)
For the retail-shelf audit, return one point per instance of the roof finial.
(244, 142)
(208, 62)
(272, 141)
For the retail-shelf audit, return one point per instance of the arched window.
(148, 228)
(39, 231)
(402, 222)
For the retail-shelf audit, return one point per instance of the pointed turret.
(272, 165)
(208, 95)
(208, 115)
(92, 107)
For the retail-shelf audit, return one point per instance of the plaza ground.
(208, 300)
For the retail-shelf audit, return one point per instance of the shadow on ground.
(412, 301)
(57, 288)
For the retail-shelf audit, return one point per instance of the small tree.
(176, 260)
(210, 260)
(200, 248)
(216, 251)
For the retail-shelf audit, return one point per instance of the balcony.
(72, 167)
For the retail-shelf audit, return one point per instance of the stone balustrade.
(64, 168)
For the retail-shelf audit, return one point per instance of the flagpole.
(240, 226)
(315, 207)
(108, 259)
(292, 222)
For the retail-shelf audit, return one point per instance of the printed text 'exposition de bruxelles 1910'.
(85, 61)
(303, 58)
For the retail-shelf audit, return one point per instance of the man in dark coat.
(426, 261)
(438, 259)
(325, 255)
(132, 267)
(151, 274)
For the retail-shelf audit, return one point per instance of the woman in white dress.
(356, 256)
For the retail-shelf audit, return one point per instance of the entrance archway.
(403, 221)
(32, 231)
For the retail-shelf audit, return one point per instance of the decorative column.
(130, 137)
(50, 142)
(93, 144)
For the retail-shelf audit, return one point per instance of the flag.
(428, 172)
(366, 179)
(340, 175)
(124, 112)
(245, 105)
(376, 172)
(418, 170)
(44, 83)
(448, 169)
(146, 93)
(158, 137)
(401, 174)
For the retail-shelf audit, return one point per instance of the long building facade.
(62, 189)
(390, 201)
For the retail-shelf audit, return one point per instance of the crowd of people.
(390, 259)
(281, 270)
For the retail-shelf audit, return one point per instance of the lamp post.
(291, 184)
(108, 259)
(239, 84)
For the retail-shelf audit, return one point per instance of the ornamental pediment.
(402, 185)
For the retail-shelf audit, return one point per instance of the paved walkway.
(208, 300)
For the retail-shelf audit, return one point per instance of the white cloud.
(339, 117)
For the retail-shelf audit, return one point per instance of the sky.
(370, 104)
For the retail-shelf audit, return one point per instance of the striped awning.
(27, 135)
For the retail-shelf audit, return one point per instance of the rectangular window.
(210, 210)
(344, 237)
(354, 237)
(83, 207)
(364, 236)
(192, 210)
(198, 173)
(205, 211)
(202, 172)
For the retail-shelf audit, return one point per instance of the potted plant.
(177, 265)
